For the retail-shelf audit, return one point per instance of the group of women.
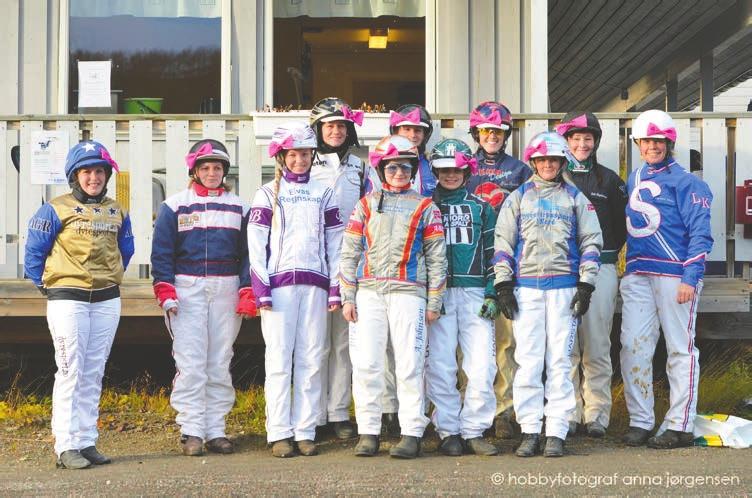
(435, 286)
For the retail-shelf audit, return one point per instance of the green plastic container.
(142, 105)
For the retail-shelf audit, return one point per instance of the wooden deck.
(724, 307)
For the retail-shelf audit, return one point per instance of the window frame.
(63, 75)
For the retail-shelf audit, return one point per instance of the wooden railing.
(149, 147)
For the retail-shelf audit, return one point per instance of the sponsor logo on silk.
(458, 225)
(704, 201)
(651, 213)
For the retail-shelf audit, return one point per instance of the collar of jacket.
(85, 198)
(582, 166)
(296, 178)
(541, 183)
(202, 191)
(490, 159)
(395, 190)
(446, 195)
(658, 167)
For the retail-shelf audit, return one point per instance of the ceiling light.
(377, 37)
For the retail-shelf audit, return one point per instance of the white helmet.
(546, 144)
(654, 124)
(292, 135)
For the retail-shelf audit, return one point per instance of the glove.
(42, 290)
(489, 310)
(506, 300)
(581, 299)
(246, 302)
(166, 295)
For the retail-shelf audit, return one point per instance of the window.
(161, 49)
(321, 49)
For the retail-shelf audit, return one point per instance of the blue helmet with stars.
(87, 154)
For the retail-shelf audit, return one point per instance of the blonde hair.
(277, 180)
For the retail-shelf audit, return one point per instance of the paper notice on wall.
(48, 151)
(94, 83)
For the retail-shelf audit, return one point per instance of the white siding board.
(9, 51)
(249, 166)
(482, 62)
(4, 187)
(104, 133)
(140, 189)
(214, 129)
(34, 76)
(30, 196)
(452, 61)
(177, 146)
(608, 150)
(71, 127)
(714, 173)
(681, 154)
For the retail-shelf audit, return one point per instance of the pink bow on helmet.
(275, 147)
(669, 133)
(540, 148)
(191, 158)
(578, 122)
(354, 116)
(461, 160)
(476, 118)
(106, 156)
(412, 117)
(375, 157)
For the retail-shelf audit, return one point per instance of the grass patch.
(725, 382)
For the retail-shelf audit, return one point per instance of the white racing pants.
(475, 335)
(650, 303)
(544, 333)
(204, 330)
(401, 317)
(295, 335)
(592, 352)
(336, 371)
(389, 403)
(82, 334)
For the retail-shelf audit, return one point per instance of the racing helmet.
(654, 124)
(411, 115)
(491, 114)
(453, 153)
(335, 109)
(390, 148)
(87, 154)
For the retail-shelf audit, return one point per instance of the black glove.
(506, 300)
(42, 290)
(581, 299)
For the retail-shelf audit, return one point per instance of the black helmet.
(578, 121)
(332, 109)
(207, 150)
(424, 121)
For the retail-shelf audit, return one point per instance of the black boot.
(529, 445)
(671, 439)
(636, 436)
(91, 454)
(479, 446)
(368, 445)
(554, 447)
(72, 459)
(390, 425)
(408, 447)
(451, 446)
(343, 429)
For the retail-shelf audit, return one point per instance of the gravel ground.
(150, 464)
